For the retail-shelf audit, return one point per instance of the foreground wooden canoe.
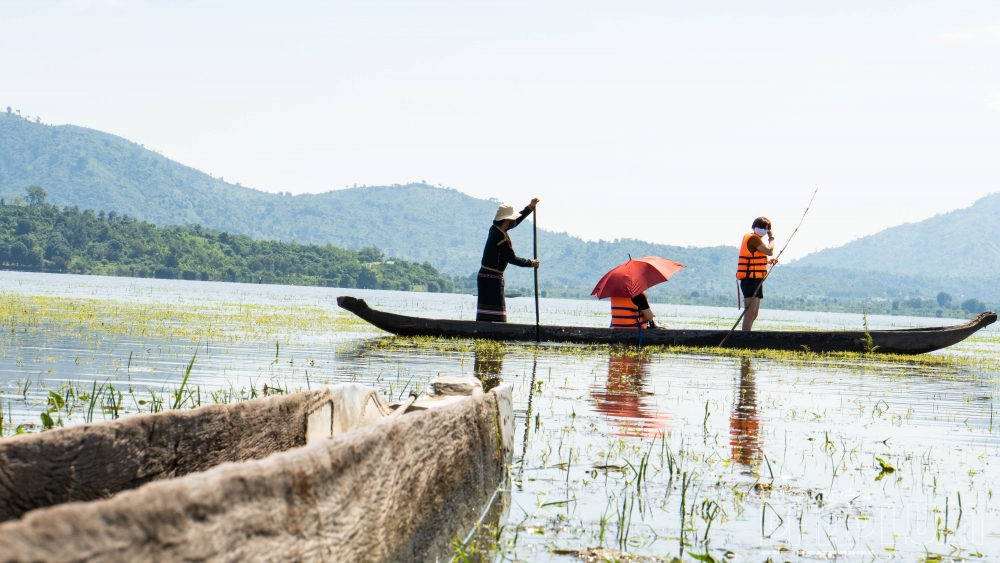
(906, 341)
(324, 475)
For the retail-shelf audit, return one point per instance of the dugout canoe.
(902, 341)
(323, 475)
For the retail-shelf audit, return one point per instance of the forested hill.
(960, 244)
(38, 235)
(95, 170)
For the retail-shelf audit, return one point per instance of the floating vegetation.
(936, 364)
(96, 319)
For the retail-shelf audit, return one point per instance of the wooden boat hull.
(355, 486)
(906, 341)
(95, 461)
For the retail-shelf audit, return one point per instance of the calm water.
(656, 454)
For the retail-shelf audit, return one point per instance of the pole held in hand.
(534, 229)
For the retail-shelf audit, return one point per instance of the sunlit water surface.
(656, 454)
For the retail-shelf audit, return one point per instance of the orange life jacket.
(752, 264)
(624, 314)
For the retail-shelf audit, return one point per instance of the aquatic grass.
(112, 402)
(95, 319)
(187, 375)
(93, 400)
(624, 524)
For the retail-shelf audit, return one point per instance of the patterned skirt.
(492, 307)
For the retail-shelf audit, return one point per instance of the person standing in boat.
(499, 252)
(752, 267)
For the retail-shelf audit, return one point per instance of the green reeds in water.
(178, 397)
(93, 400)
(625, 521)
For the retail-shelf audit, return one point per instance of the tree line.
(36, 235)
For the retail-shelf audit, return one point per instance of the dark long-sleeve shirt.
(499, 251)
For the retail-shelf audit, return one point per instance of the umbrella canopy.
(635, 276)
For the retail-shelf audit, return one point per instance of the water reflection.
(624, 398)
(744, 424)
(488, 363)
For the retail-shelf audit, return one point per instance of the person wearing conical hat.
(498, 253)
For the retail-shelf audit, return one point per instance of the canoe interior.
(72, 464)
(374, 492)
(903, 341)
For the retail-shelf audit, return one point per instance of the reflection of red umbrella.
(623, 399)
(635, 276)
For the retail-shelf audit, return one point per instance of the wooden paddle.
(406, 404)
(769, 270)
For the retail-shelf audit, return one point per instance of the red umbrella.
(635, 276)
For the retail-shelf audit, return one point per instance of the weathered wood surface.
(95, 461)
(398, 490)
(909, 341)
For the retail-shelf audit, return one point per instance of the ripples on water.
(770, 455)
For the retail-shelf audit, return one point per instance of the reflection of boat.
(905, 341)
(323, 475)
(744, 424)
(621, 399)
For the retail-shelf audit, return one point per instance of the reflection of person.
(488, 363)
(496, 255)
(752, 267)
(631, 312)
(622, 397)
(744, 424)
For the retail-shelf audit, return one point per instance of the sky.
(668, 121)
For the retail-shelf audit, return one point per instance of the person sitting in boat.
(632, 312)
(752, 267)
(496, 255)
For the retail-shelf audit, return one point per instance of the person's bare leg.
(752, 305)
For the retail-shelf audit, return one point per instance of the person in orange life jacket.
(752, 267)
(632, 312)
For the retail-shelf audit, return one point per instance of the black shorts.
(750, 286)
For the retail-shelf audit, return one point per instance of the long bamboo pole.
(538, 325)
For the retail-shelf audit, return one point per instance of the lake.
(657, 453)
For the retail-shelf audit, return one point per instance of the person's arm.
(508, 253)
(768, 249)
(524, 213)
(642, 304)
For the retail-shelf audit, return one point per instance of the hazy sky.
(676, 122)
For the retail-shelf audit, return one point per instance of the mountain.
(961, 244)
(417, 222)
